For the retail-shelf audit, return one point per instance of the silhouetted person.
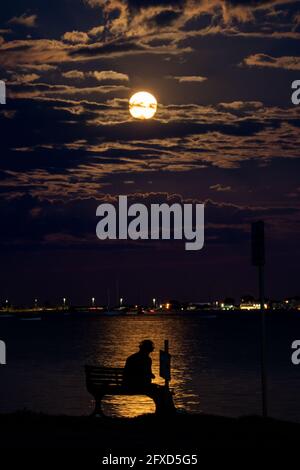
(138, 367)
(138, 376)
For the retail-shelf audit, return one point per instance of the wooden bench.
(101, 381)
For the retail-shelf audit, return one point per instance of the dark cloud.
(264, 60)
(153, 3)
(166, 17)
(113, 49)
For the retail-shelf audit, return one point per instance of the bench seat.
(102, 381)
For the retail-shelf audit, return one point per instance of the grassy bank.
(37, 431)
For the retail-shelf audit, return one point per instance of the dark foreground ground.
(25, 430)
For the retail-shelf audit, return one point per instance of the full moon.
(142, 105)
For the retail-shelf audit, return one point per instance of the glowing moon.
(142, 105)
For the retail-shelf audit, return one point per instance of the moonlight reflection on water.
(215, 363)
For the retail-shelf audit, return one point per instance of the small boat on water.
(124, 311)
(113, 313)
(30, 318)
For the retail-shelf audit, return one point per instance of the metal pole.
(118, 292)
(108, 299)
(263, 343)
(167, 352)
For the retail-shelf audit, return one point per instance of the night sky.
(226, 133)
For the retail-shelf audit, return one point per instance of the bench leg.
(98, 409)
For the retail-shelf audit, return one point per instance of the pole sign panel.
(165, 365)
(258, 243)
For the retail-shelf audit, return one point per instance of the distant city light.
(252, 306)
(245, 304)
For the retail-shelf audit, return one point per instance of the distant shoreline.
(94, 313)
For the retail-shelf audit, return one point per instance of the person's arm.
(150, 369)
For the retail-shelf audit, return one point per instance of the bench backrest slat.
(98, 375)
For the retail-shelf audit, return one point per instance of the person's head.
(146, 346)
